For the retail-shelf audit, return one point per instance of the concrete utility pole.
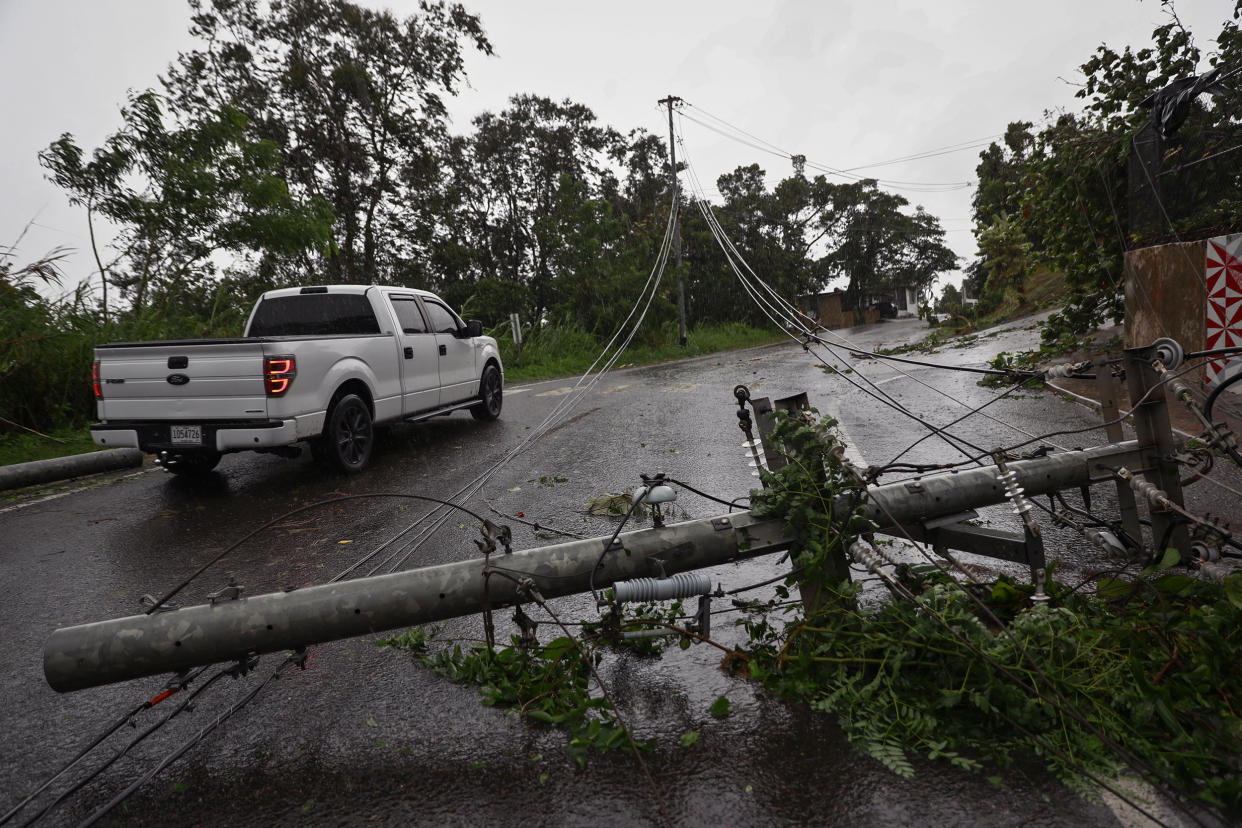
(672, 174)
(89, 655)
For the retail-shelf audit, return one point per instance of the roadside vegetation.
(1071, 195)
(566, 352)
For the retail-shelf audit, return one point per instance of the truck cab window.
(408, 314)
(443, 320)
(322, 314)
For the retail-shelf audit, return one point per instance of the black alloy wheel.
(491, 395)
(349, 435)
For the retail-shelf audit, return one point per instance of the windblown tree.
(1082, 192)
(524, 160)
(804, 234)
(178, 194)
(563, 215)
(877, 247)
(354, 99)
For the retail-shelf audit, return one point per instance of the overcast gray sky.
(846, 84)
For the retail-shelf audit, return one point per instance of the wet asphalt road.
(367, 735)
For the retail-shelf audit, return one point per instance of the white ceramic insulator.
(681, 585)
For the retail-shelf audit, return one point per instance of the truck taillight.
(278, 374)
(95, 380)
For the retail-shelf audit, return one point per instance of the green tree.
(1006, 259)
(1075, 193)
(178, 194)
(877, 247)
(353, 97)
(950, 300)
(526, 174)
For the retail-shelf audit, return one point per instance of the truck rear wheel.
(348, 435)
(491, 395)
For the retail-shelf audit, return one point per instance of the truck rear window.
(314, 314)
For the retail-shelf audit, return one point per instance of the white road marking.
(680, 387)
(58, 495)
(556, 392)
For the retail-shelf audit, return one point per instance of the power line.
(771, 149)
(958, 147)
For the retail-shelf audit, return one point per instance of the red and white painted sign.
(1224, 304)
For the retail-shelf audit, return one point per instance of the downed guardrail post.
(231, 627)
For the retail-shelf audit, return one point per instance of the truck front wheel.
(348, 435)
(491, 395)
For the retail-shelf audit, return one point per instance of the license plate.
(185, 434)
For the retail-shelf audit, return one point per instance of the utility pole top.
(672, 176)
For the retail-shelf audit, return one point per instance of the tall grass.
(47, 342)
(568, 351)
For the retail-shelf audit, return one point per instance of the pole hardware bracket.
(493, 534)
(528, 626)
(229, 593)
(148, 600)
(247, 663)
(299, 656)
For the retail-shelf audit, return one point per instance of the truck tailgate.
(191, 380)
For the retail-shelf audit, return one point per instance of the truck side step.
(442, 410)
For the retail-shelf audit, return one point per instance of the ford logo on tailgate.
(177, 379)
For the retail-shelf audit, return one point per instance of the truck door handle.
(409, 353)
(443, 350)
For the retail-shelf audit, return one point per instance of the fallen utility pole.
(234, 627)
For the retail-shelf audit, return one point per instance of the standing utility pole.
(672, 174)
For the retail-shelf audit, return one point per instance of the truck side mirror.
(473, 328)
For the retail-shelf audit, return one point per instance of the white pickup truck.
(320, 364)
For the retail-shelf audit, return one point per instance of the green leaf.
(721, 707)
(1171, 558)
(1175, 584)
(689, 739)
(1233, 589)
(557, 647)
(1113, 589)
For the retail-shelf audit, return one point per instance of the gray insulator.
(1147, 489)
(681, 585)
(866, 556)
(1169, 352)
(1064, 370)
(1178, 388)
(1203, 552)
(1216, 571)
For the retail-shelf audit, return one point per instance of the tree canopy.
(1086, 187)
(307, 141)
